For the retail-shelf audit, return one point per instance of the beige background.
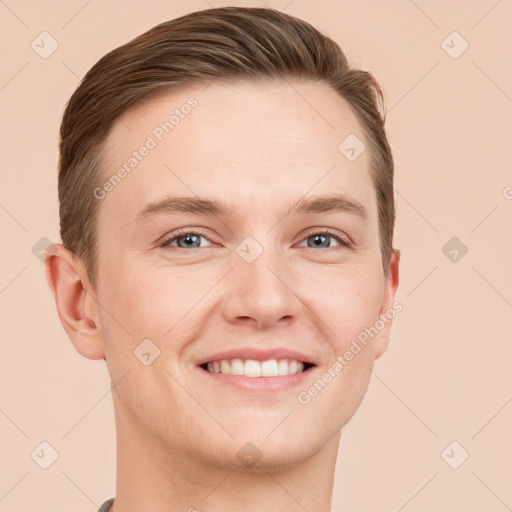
(446, 376)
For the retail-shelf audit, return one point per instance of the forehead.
(239, 142)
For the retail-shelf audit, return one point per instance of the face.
(252, 272)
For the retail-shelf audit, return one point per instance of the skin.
(260, 147)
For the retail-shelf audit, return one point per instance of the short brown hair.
(220, 43)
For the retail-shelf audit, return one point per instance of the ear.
(76, 305)
(388, 309)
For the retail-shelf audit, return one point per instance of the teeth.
(269, 368)
(253, 368)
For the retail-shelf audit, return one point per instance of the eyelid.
(182, 232)
(343, 239)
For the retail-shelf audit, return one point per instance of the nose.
(262, 292)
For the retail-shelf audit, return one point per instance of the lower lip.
(279, 383)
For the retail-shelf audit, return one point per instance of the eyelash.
(345, 242)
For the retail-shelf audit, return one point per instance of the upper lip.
(258, 354)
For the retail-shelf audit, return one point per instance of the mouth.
(251, 374)
(253, 368)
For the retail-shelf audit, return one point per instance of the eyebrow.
(194, 205)
(330, 204)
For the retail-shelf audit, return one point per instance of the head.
(210, 201)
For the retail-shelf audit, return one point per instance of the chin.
(261, 454)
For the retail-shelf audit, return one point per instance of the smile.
(254, 368)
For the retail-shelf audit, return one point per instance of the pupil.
(189, 239)
(318, 238)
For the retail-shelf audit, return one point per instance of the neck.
(156, 477)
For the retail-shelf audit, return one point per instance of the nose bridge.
(258, 261)
(261, 286)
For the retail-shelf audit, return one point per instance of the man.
(227, 213)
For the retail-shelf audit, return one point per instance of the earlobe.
(76, 305)
(388, 309)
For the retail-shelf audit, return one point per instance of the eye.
(186, 239)
(191, 239)
(321, 239)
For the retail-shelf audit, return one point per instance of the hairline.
(104, 153)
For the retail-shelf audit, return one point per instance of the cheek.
(143, 302)
(138, 298)
(347, 299)
(142, 299)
